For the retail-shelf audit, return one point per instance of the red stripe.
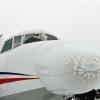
(8, 80)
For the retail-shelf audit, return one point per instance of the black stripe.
(12, 73)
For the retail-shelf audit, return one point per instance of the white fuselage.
(63, 68)
(24, 60)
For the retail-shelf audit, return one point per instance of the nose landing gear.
(69, 98)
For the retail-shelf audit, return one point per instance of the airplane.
(33, 59)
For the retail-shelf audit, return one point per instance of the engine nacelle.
(70, 68)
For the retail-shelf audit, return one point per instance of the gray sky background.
(72, 20)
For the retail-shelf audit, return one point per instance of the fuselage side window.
(7, 45)
(17, 41)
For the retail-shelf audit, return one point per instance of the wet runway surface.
(38, 94)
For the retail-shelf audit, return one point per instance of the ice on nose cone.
(77, 66)
(85, 67)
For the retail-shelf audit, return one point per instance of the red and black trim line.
(9, 80)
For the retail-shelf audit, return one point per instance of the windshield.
(32, 37)
(26, 38)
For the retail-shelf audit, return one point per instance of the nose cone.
(71, 68)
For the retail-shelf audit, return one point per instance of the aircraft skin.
(20, 64)
(17, 66)
(48, 64)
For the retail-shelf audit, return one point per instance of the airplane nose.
(71, 68)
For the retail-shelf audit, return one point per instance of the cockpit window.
(7, 46)
(17, 41)
(32, 37)
(26, 38)
(51, 37)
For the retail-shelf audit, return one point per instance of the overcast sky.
(72, 20)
